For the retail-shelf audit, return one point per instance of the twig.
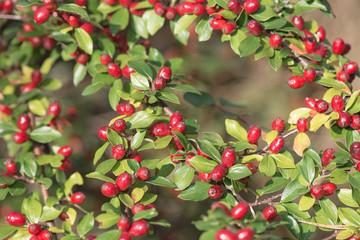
(24, 179)
(336, 227)
(237, 196)
(266, 201)
(331, 236)
(11, 17)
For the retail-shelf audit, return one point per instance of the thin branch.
(266, 201)
(336, 227)
(24, 179)
(331, 236)
(11, 17)
(237, 196)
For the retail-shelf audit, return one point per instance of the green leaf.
(349, 217)
(238, 171)
(306, 202)
(84, 40)
(283, 161)
(273, 185)
(202, 164)
(249, 45)
(103, 78)
(275, 60)
(168, 97)
(267, 166)
(85, 224)
(184, 22)
(293, 190)
(74, 179)
(115, 93)
(203, 29)
(162, 142)
(6, 230)
(354, 180)
(307, 169)
(301, 142)
(139, 26)
(298, 113)
(145, 214)
(100, 176)
(30, 167)
(50, 213)
(183, 177)
(100, 152)
(112, 234)
(160, 181)
(44, 134)
(153, 21)
(126, 199)
(197, 191)
(115, 138)
(199, 100)
(91, 89)
(139, 81)
(329, 208)
(37, 107)
(141, 120)
(345, 196)
(32, 209)
(106, 166)
(21, 234)
(50, 84)
(137, 139)
(236, 130)
(74, 8)
(207, 148)
(142, 68)
(119, 21)
(264, 13)
(107, 220)
(79, 73)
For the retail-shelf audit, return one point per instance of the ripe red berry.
(11, 168)
(105, 59)
(355, 121)
(278, 125)
(179, 127)
(220, 205)
(251, 167)
(118, 151)
(321, 34)
(310, 103)
(215, 192)
(316, 192)
(123, 181)
(165, 73)
(125, 3)
(5, 109)
(344, 119)
(87, 27)
(358, 166)
(354, 238)
(296, 82)
(36, 77)
(45, 235)
(66, 151)
(245, 234)
(327, 156)
(176, 158)
(234, 6)
(269, 213)
(328, 188)
(218, 173)
(28, 87)
(135, 156)
(119, 125)
(77, 198)
(239, 211)
(143, 173)
(109, 189)
(177, 143)
(129, 109)
(228, 157)
(347, 48)
(23, 122)
(217, 24)
(63, 216)
(66, 164)
(15, 219)
(309, 74)
(74, 21)
(277, 144)
(355, 150)
(139, 228)
(337, 103)
(159, 83)
(161, 129)
(20, 137)
(298, 21)
(7, 6)
(160, 9)
(102, 133)
(188, 7)
(54, 108)
(114, 70)
(127, 71)
(81, 2)
(82, 58)
(175, 118)
(251, 6)
(228, 28)
(302, 124)
(338, 46)
(34, 229)
(255, 28)
(275, 41)
(206, 177)
(41, 15)
(123, 224)
(224, 234)
(254, 134)
(170, 13)
(34, 237)
(343, 76)
(321, 106)
(137, 208)
(48, 43)
(350, 67)
(210, 10)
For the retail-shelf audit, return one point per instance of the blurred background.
(211, 66)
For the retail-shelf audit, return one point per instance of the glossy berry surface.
(66, 151)
(36, 77)
(269, 213)
(251, 167)
(23, 122)
(355, 150)
(218, 172)
(123, 181)
(159, 83)
(302, 124)
(316, 192)
(54, 108)
(255, 28)
(355, 121)
(135, 156)
(41, 15)
(20, 137)
(254, 134)
(298, 22)
(179, 127)
(15, 219)
(338, 46)
(114, 70)
(11, 168)
(321, 33)
(109, 189)
(143, 173)
(105, 59)
(321, 106)
(343, 76)
(139, 228)
(277, 144)
(34, 229)
(350, 67)
(45, 235)
(165, 73)
(175, 118)
(344, 119)
(337, 103)
(161, 129)
(278, 125)
(224, 234)
(310, 103)
(309, 74)
(327, 156)
(228, 157)
(245, 234)
(123, 224)
(206, 177)
(251, 6)
(215, 192)
(118, 151)
(137, 208)
(127, 71)
(328, 188)
(275, 41)
(296, 82)
(239, 211)
(77, 198)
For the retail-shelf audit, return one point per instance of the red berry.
(343, 76)
(251, 6)
(321, 106)
(5, 109)
(170, 13)
(316, 192)
(179, 127)
(278, 125)
(66, 164)
(218, 173)
(118, 151)
(210, 10)
(74, 21)
(165, 73)
(175, 118)
(123, 224)
(220, 205)
(354, 238)
(77, 198)
(119, 125)
(105, 59)
(321, 34)
(206, 177)
(7, 6)
(129, 109)
(160, 9)
(188, 157)
(34, 229)
(161, 129)
(23, 122)
(48, 43)
(34, 238)
(81, 2)
(175, 158)
(102, 133)
(245, 234)
(328, 188)
(296, 82)
(114, 70)
(159, 83)
(269, 213)
(123, 181)
(327, 156)
(87, 27)
(36, 77)
(54, 108)
(66, 151)
(355, 121)
(350, 67)
(177, 143)
(275, 41)
(188, 7)
(309, 74)
(224, 234)
(28, 87)
(139, 228)
(109, 189)
(45, 235)
(344, 119)
(20, 137)
(355, 150)
(228, 157)
(255, 28)
(125, 3)
(302, 124)
(228, 28)
(298, 22)
(239, 211)
(15, 219)
(41, 15)
(338, 46)
(251, 167)
(137, 208)
(337, 103)
(277, 144)
(125, 236)
(82, 58)
(234, 6)
(143, 173)
(199, 9)
(135, 156)
(217, 24)
(63, 216)
(11, 168)
(310, 103)
(358, 166)
(347, 48)
(127, 71)
(215, 192)
(254, 134)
